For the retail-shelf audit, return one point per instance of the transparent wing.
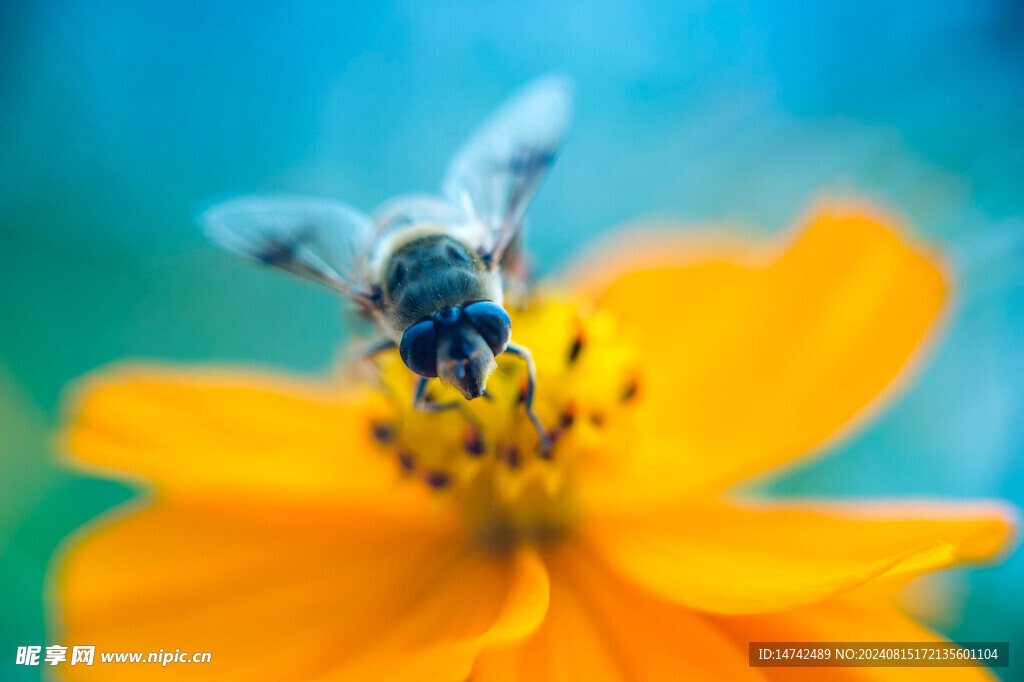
(496, 173)
(320, 240)
(412, 209)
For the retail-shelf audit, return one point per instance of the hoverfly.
(430, 271)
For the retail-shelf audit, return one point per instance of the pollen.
(484, 455)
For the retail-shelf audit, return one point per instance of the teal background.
(120, 120)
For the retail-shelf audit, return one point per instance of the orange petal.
(769, 557)
(599, 628)
(227, 434)
(857, 617)
(278, 594)
(439, 641)
(757, 357)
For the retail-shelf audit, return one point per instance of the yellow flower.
(300, 529)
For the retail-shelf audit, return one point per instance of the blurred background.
(120, 120)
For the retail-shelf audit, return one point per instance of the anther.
(597, 419)
(576, 348)
(382, 433)
(512, 457)
(568, 417)
(473, 442)
(630, 390)
(407, 461)
(438, 480)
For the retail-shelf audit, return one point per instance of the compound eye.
(493, 323)
(419, 349)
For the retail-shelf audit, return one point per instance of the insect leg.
(375, 348)
(367, 367)
(422, 402)
(531, 381)
(367, 354)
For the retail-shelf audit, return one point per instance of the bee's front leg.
(375, 348)
(367, 367)
(531, 381)
(424, 403)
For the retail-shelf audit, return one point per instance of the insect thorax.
(432, 272)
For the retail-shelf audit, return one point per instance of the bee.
(431, 272)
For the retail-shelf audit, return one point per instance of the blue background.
(120, 120)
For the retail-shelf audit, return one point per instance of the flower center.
(484, 455)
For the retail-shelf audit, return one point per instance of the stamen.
(407, 461)
(597, 419)
(512, 457)
(438, 480)
(383, 433)
(569, 416)
(630, 390)
(564, 423)
(473, 442)
(576, 348)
